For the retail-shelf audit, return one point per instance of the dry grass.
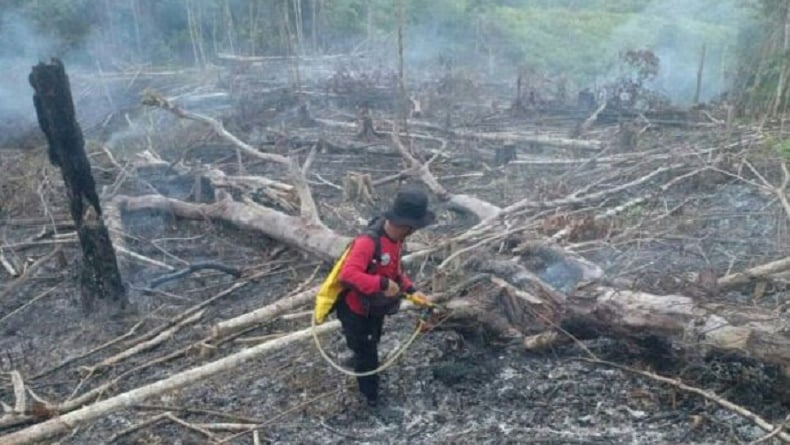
(24, 174)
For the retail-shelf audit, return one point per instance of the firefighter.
(373, 281)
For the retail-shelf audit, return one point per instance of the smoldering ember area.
(407, 222)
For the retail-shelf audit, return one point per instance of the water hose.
(391, 361)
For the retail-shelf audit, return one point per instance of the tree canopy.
(580, 39)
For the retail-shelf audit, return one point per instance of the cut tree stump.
(367, 131)
(100, 277)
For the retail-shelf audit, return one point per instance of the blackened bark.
(55, 110)
(367, 132)
(504, 154)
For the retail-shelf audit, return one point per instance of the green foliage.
(584, 43)
(531, 35)
(761, 58)
(579, 38)
(774, 143)
(616, 6)
(65, 22)
(783, 148)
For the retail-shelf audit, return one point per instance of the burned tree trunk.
(100, 276)
(628, 136)
(504, 154)
(588, 310)
(366, 130)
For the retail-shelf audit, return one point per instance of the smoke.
(21, 48)
(492, 39)
(580, 42)
(23, 44)
(676, 30)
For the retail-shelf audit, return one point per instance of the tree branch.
(724, 403)
(760, 271)
(62, 424)
(195, 267)
(481, 209)
(309, 211)
(154, 99)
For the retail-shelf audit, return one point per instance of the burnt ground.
(455, 385)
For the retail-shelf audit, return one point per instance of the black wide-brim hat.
(411, 209)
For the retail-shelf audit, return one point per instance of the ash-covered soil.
(455, 385)
(452, 386)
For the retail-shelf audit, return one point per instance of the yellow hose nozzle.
(419, 301)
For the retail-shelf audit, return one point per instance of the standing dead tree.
(100, 276)
(402, 110)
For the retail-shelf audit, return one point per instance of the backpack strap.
(374, 231)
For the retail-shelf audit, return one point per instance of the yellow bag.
(331, 288)
(329, 291)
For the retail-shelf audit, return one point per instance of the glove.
(392, 290)
(420, 299)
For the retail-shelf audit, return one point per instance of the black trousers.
(362, 336)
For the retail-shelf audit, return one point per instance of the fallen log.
(259, 59)
(146, 345)
(526, 138)
(65, 422)
(554, 141)
(761, 271)
(265, 313)
(292, 230)
(697, 326)
(691, 325)
(279, 192)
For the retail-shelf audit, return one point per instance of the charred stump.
(628, 136)
(367, 131)
(525, 103)
(518, 105)
(504, 154)
(304, 118)
(100, 277)
(585, 101)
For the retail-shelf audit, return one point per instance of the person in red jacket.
(373, 281)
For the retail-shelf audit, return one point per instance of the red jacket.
(364, 276)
